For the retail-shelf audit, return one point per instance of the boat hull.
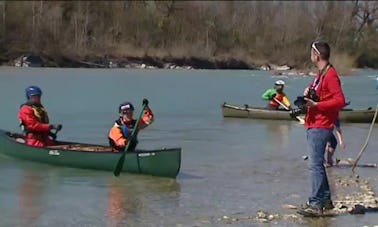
(345, 115)
(162, 162)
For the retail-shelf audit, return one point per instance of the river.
(230, 167)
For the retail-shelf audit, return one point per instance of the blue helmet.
(33, 90)
(124, 107)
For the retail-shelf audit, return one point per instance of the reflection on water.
(318, 222)
(30, 193)
(130, 199)
(116, 205)
(278, 134)
(75, 197)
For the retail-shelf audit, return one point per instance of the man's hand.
(57, 127)
(145, 102)
(148, 116)
(310, 103)
(305, 93)
(52, 136)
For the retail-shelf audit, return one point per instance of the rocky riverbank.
(146, 62)
(354, 196)
(149, 62)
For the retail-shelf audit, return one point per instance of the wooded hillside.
(253, 32)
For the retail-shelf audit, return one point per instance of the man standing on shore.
(320, 119)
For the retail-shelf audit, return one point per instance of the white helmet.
(279, 82)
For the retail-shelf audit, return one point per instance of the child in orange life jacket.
(277, 93)
(34, 120)
(121, 132)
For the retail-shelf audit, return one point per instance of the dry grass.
(254, 32)
(343, 63)
(124, 49)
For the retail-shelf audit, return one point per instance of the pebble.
(261, 214)
(295, 196)
(369, 197)
(289, 206)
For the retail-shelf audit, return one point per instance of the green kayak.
(162, 162)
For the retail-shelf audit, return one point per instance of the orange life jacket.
(117, 138)
(279, 97)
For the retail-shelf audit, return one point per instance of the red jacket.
(332, 100)
(35, 122)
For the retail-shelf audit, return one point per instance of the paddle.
(301, 120)
(121, 160)
(366, 141)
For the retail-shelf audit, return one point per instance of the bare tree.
(3, 3)
(366, 12)
(278, 31)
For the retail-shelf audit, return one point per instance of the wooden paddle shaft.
(283, 105)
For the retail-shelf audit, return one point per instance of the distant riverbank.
(149, 62)
(266, 35)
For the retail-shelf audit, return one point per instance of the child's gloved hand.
(148, 116)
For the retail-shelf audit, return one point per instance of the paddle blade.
(301, 120)
(119, 165)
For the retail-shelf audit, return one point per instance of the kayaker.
(276, 93)
(34, 120)
(121, 132)
(323, 108)
(332, 144)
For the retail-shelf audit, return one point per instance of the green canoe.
(345, 115)
(162, 162)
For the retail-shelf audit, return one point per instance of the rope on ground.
(366, 141)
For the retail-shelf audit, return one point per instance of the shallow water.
(230, 167)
